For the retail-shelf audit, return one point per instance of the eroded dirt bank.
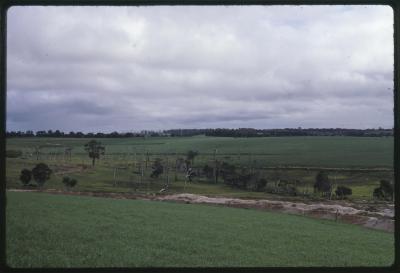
(376, 217)
(382, 219)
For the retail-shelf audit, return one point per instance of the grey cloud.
(120, 68)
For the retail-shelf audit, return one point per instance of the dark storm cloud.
(119, 68)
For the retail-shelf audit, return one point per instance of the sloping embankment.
(382, 218)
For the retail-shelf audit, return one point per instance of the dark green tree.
(26, 176)
(322, 183)
(41, 173)
(94, 149)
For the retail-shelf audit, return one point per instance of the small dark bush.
(25, 177)
(260, 184)
(387, 188)
(208, 171)
(343, 191)
(13, 153)
(385, 191)
(69, 182)
(378, 193)
(291, 190)
(158, 168)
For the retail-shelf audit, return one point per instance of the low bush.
(283, 187)
(385, 191)
(343, 191)
(25, 177)
(157, 167)
(261, 184)
(69, 182)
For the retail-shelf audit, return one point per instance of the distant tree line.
(219, 132)
(58, 133)
(251, 132)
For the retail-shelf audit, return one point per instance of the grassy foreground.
(46, 230)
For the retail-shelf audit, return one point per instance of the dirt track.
(381, 218)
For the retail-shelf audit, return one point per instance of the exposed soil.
(60, 170)
(376, 216)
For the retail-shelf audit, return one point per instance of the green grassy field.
(342, 152)
(46, 230)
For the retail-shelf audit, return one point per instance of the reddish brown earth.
(371, 216)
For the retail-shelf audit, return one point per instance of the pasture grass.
(349, 152)
(335, 151)
(46, 230)
(100, 178)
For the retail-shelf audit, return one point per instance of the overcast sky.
(134, 68)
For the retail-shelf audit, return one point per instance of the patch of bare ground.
(60, 170)
(376, 216)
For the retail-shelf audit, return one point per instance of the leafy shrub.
(387, 188)
(384, 191)
(69, 182)
(260, 184)
(343, 191)
(41, 173)
(378, 193)
(158, 168)
(25, 177)
(13, 153)
(322, 183)
(236, 178)
(291, 190)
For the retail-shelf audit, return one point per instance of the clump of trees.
(40, 173)
(242, 178)
(94, 149)
(69, 182)
(385, 191)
